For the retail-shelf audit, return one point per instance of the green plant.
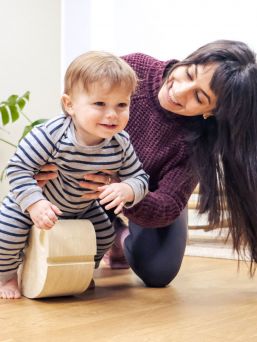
(11, 110)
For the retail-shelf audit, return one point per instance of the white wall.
(29, 60)
(162, 28)
(75, 27)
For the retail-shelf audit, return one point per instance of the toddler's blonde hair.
(99, 66)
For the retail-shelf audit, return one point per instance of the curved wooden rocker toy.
(59, 261)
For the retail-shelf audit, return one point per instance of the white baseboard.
(211, 252)
(211, 244)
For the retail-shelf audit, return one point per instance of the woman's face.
(187, 90)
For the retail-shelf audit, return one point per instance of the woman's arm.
(161, 207)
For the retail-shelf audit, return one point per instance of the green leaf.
(38, 122)
(21, 101)
(15, 112)
(12, 100)
(11, 110)
(4, 103)
(26, 95)
(5, 115)
(29, 127)
(26, 130)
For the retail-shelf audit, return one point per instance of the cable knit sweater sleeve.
(159, 140)
(162, 206)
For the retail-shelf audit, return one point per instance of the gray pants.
(156, 254)
(15, 228)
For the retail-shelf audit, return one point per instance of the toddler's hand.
(116, 195)
(44, 214)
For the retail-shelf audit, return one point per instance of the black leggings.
(156, 254)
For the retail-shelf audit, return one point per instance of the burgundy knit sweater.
(158, 139)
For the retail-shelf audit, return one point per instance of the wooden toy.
(59, 261)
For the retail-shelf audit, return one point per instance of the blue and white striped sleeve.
(132, 172)
(32, 152)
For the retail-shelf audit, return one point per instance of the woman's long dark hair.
(225, 145)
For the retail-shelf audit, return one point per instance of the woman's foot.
(115, 257)
(10, 289)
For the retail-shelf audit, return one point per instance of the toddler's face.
(99, 113)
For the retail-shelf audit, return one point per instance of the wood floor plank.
(208, 301)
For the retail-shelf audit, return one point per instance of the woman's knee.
(162, 279)
(154, 275)
(156, 254)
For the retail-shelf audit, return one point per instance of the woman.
(191, 121)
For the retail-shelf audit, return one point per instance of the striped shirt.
(54, 142)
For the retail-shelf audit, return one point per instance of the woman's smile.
(172, 96)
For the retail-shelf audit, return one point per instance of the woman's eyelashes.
(191, 78)
(197, 98)
(189, 74)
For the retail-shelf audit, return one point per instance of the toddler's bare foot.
(10, 289)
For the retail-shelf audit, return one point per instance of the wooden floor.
(208, 301)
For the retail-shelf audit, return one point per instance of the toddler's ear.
(67, 104)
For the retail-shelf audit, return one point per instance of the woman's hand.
(47, 172)
(94, 181)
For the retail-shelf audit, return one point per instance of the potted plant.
(10, 111)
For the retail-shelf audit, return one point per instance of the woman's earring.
(207, 115)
